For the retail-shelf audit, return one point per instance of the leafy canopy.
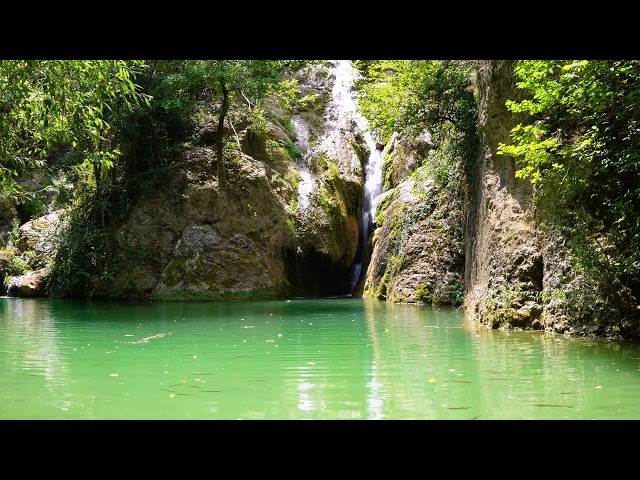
(45, 104)
(408, 96)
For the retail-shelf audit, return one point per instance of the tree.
(408, 96)
(248, 82)
(46, 104)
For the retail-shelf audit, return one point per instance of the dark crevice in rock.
(315, 275)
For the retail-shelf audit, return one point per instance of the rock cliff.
(286, 225)
(502, 244)
(520, 269)
(418, 243)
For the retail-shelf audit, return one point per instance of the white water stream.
(341, 111)
(345, 98)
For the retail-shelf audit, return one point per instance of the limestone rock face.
(36, 235)
(262, 236)
(31, 284)
(417, 249)
(34, 251)
(502, 246)
(201, 242)
(518, 266)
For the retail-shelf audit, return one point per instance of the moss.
(388, 181)
(382, 207)
(333, 204)
(291, 223)
(283, 121)
(289, 149)
(173, 274)
(292, 176)
(360, 149)
(320, 104)
(397, 230)
(425, 294)
(190, 270)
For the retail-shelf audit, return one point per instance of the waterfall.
(341, 113)
(306, 184)
(345, 98)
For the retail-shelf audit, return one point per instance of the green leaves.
(46, 103)
(580, 145)
(407, 96)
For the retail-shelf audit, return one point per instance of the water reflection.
(332, 359)
(29, 324)
(532, 375)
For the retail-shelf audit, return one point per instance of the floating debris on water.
(146, 339)
(553, 405)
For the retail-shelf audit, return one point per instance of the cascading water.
(306, 185)
(344, 96)
(341, 114)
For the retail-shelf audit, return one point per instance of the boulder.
(30, 284)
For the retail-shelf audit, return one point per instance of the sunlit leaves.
(535, 150)
(47, 103)
(409, 96)
(580, 143)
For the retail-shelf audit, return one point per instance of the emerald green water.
(298, 359)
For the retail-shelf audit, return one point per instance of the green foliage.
(48, 104)
(34, 204)
(580, 146)
(14, 232)
(19, 265)
(457, 292)
(240, 87)
(84, 266)
(251, 81)
(425, 294)
(290, 148)
(428, 293)
(81, 256)
(14, 262)
(409, 96)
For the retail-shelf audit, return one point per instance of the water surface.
(298, 359)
